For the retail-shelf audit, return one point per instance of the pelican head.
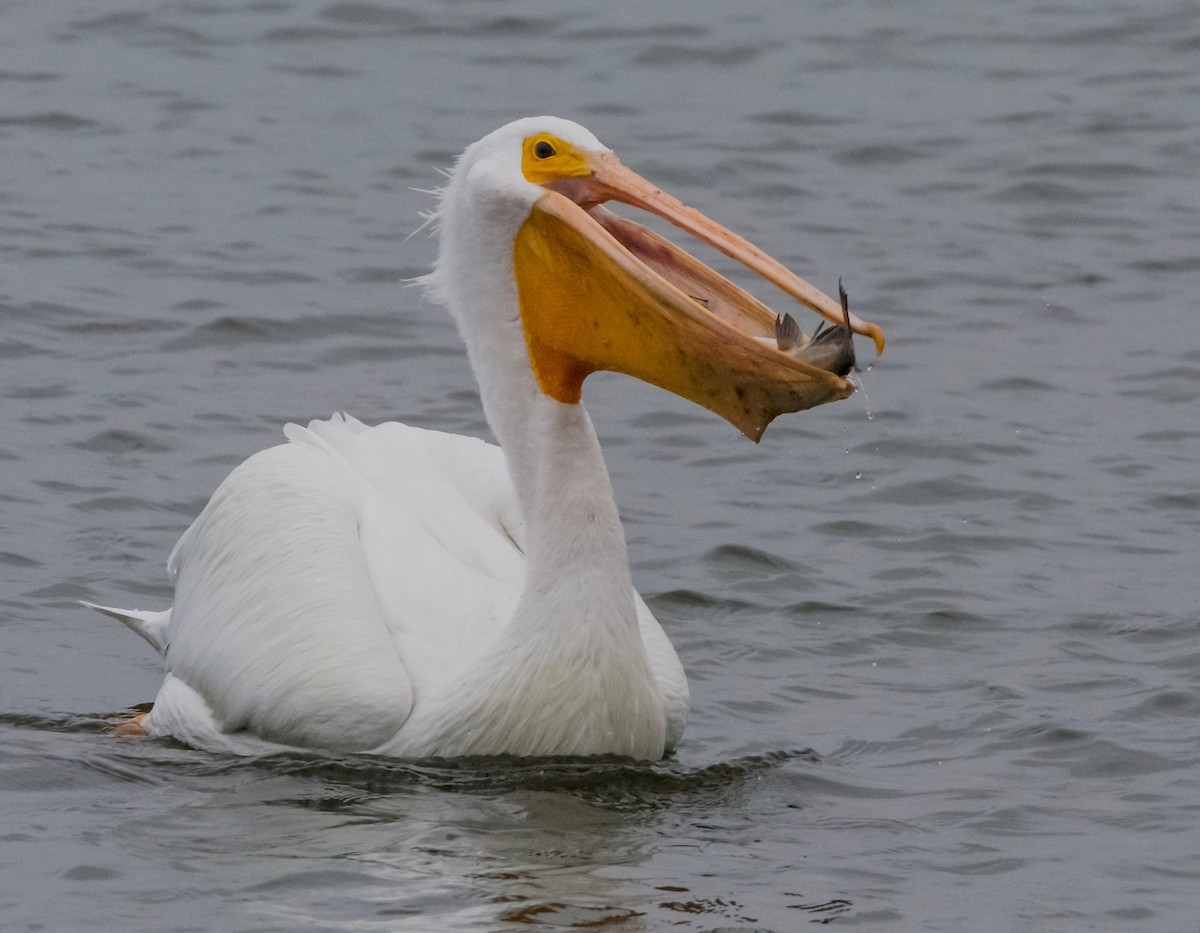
(528, 247)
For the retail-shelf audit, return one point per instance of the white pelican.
(406, 592)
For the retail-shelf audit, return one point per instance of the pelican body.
(405, 592)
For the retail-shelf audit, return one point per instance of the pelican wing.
(440, 538)
(332, 580)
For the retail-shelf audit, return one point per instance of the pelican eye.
(543, 150)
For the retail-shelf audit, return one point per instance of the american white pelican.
(407, 592)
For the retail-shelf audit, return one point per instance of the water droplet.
(861, 389)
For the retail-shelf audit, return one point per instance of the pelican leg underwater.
(406, 592)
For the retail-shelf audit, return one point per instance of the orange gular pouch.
(614, 296)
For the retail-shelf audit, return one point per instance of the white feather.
(148, 623)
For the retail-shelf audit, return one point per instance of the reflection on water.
(567, 841)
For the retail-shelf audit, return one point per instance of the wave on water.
(603, 780)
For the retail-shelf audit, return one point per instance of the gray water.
(943, 637)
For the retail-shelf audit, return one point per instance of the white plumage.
(413, 593)
(339, 585)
